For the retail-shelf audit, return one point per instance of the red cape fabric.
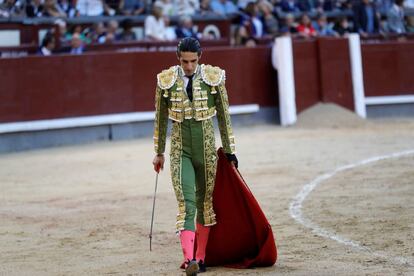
(242, 237)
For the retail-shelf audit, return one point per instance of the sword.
(153, 209)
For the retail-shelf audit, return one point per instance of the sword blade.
(153, 209)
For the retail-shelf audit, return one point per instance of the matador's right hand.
(158, 162)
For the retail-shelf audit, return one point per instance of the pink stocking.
(187, 244)
(202, 238)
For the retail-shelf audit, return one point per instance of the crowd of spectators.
(252, 19)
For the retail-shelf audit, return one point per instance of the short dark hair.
(127, 24)
(189, 44)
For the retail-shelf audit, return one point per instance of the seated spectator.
(154, 25)
(366, 19)
(67, 7)
(223, 7)
(167, 7)
(252, 21)
(34, 8)
(342, 26)
(290, 27)
(289, 6)
(48, 45)
(185, 28)
(10, 8)
(62, 31)
(186, 7)
(97, 33)
(242, 38)
(89, 7)
(322, 27)
(111, 32)
(305, 28)
(76, 44)
(205, 8)
(132, 7)
(75, 29)
(127, 33)
(52, 9)
(271, 25)
(395, 18)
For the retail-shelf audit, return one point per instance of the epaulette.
(212, 75)
(167, 78)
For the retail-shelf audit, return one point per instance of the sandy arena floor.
(85, 210)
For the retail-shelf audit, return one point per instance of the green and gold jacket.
(209, 99)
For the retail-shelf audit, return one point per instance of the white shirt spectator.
(155, 28)
(167, 7)
(395, 19)
(186, 7)
(90, 7)
(258, 26)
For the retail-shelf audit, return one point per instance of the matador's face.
(189, 62)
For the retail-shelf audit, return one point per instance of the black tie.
(190, 87)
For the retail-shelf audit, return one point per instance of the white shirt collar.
(183, 73)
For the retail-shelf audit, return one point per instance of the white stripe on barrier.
(357, 74)
(401, 99)
(244, 109)
(109, 119)
(282, 59)
(295, 210)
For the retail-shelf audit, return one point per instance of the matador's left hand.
(232, 159)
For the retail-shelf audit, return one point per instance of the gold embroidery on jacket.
(210, 165)
(175, 167)
(167, 78)
(212, 75)
(160, 122)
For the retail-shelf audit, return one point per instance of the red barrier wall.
(34, 88)
(335, 72)
(322, 72)
(306, 72)
(388, 68)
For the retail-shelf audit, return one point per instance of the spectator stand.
(22, 36)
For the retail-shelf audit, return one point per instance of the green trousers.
(193, 169)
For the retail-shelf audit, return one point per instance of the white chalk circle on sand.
(295, 210)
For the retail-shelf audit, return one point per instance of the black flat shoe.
(192, 268)
(201, 267)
